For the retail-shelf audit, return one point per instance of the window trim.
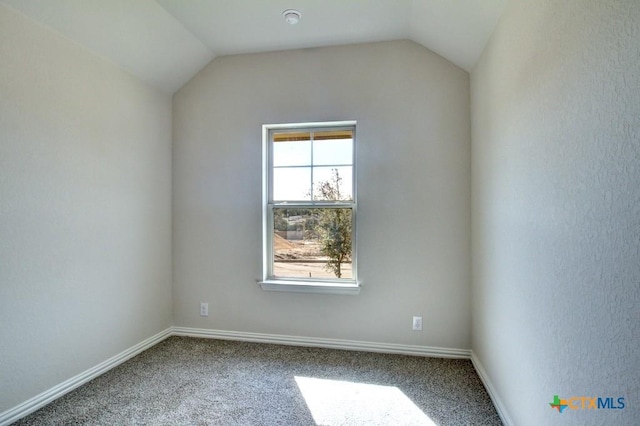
(302, 285)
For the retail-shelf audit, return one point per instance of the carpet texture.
(188, 381)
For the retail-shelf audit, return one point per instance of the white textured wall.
(412, 109)
(85, 210)
(556, 208)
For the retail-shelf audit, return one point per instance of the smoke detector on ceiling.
(291, 16)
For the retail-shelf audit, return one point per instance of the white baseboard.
(491, 390)
(57, 391)
(352, 345)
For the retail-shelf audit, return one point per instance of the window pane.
(291, 136)
(333, 134)
(292, 153)
(332, 152)
(292, 184)
(333, 183)
(312, 243)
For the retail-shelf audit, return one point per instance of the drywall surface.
(556, 209)
(85, 210)
(413, 176)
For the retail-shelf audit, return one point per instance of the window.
(309, 208)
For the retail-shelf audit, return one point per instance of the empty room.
(337, 212)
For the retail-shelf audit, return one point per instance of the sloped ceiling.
(166, 42)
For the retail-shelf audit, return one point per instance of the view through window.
(311, 203)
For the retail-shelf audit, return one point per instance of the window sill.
(310, 287)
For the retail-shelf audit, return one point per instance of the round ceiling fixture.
(291, 16)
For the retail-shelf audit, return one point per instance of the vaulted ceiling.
(166, 42)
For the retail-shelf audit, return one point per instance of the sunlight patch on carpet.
(335, 402)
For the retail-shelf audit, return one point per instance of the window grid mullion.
(311, 135)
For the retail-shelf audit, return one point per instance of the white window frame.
(303, 285)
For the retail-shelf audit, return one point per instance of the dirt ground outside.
(303, 259)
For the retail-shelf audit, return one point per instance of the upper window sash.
(303, 171)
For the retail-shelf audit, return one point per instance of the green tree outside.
(334, 225)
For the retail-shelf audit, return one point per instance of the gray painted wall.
(85, 210)
(556, 208)
(413, 161)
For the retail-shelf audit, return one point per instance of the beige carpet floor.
(188, 381)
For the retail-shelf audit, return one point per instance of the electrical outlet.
(417, 323)
(204, 309)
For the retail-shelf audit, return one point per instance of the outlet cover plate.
(417, 323)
